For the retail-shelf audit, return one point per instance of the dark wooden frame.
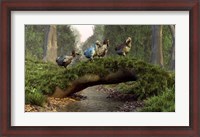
(6, 130)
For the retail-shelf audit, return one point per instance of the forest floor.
(52, 105)
(106, 98)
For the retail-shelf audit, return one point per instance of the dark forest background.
(150, 43)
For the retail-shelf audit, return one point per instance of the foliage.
(66, 39)
(44, 77)
(141, 39)
(34, 40)
(154, 84)
(152, 80)
(41, 78)
(167, 45)
(35, 97)
(164, 102)
(98, 32)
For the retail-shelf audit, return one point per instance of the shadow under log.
(88, 80)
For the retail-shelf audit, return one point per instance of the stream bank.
(92, 99)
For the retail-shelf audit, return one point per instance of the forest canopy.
(143, 41)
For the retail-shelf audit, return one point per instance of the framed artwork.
(27, 26)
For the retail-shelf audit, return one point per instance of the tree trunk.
(50, 47)
(94, 79)
(47, 28)
(172, 62)
(157, 54)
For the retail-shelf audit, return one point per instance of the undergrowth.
(164, 102)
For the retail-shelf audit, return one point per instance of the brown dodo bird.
(124, 48)
(103, 49)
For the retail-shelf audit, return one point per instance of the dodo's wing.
(67, 58)
(119, 47)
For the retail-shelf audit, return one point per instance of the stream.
(97, 101)
(92, 99)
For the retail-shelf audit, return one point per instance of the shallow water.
(96, 101)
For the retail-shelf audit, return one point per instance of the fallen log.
(87, 80)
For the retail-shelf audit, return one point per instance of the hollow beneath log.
(88, 80)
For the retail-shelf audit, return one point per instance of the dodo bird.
(97, 49)
(91, 52)
(103, 49)
(65, 60)
(124, 48)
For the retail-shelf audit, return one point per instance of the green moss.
(152, 80)
(164, 102)
(35, 97)
(44, 77)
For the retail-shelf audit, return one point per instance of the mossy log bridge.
(122, 75)
(56, 81)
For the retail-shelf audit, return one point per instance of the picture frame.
(6, 130)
